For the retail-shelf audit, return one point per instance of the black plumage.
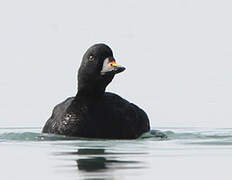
(93, 112)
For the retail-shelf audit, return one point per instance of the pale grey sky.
(177, 53)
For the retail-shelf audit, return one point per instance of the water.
(187, 153)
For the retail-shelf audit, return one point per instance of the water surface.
(187, 153)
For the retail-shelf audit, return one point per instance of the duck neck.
(92, 87)
(90, 92)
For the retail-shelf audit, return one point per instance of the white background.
(178, 55)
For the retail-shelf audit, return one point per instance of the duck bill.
(111, 67)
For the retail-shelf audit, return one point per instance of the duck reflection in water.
(92, 160)
(92, 163)
(100, 163)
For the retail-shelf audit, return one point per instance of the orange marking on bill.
(113, 63)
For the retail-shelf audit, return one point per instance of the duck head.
(97, 69)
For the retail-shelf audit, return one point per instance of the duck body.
(108, 116)
(94, 113)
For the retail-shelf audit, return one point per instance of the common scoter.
(94, 113)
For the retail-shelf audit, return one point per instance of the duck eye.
(91, 58)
